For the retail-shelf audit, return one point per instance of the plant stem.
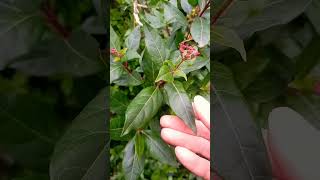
(205, 8)
(52, 20)
(224, 7)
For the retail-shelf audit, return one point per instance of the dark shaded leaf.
(239, 149)
(82, 152)
(77, 56)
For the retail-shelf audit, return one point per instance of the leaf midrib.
(151, 96)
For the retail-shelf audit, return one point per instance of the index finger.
(202, 108)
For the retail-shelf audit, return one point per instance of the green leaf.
(174, 15)
(133, 40)
(180, 73)
(180, 103)
(116, 70)
(200, 31)
(77, 56)
(142, 108)
(129, 79)
(195, 2)
(150, 67)
(20, 28)
(119, 102)
(227, 37)
(86, 141)
(245, 145)
(132, 165)
(114, 39)
(155, 46)
(139, 143)
(116, 124)
(155, 21)
(130, 55)
(159, 149)
(165, 74)
(186, 6)
(193, 65)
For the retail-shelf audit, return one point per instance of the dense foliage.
(159, 60)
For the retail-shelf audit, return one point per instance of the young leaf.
(180, 73)
(139, 144)
(227, 37)
(245, 145)
(132, 164)
(200, 31)
(114, 39)
(165, 74)
(180, 103)
(159, 149)
(133, 40)
(155, 46)
(142, 108)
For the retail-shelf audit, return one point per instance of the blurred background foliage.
(39, 95)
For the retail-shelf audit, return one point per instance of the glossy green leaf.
(116, 70)
(155, 21)
(133, 40)
(142, 108)
(139, 143)
(165, 74)
(180, 103)
(200, 31)
(159, 149)
(132, 165)
(155, 46)
(84, 145)
(114, 39)
(227, 37)
(245, 146)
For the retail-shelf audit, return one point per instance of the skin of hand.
(192, 150)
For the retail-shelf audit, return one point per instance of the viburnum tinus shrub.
(156, 68)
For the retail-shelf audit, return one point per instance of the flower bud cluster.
(115, 53)
(188, 52)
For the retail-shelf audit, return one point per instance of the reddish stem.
(205, 8)
(126, 67)
(221, 11)
(52, 20)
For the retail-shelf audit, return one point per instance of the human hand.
(192, 150)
